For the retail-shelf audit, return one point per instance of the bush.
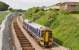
(3, 6)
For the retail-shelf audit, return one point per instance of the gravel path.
(6, 34)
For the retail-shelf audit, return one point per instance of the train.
(42, 34)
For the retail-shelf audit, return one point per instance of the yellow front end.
(46, 40)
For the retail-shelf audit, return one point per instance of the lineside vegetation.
(65, 27)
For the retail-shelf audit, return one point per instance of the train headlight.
(42, 41)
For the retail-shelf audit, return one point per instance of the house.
(67, 6)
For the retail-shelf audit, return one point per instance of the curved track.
(23, 41)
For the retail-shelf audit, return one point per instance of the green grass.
(42, 20)
(75, 15)
(2, 16)
(65, 28)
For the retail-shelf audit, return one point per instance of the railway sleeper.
(26, 45)
(23, 41)
(21, 36)
(28, 48)
(20, 33)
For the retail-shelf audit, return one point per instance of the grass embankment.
(3, 15)
(65, 28)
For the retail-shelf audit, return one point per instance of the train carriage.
(41, 33)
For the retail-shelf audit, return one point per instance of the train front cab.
(46, 39)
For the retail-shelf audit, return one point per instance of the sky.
(25, 4)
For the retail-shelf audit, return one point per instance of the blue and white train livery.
(41, 33)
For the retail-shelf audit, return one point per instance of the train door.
(47, 37)
(44, 38)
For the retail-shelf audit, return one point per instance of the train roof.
(35, 25)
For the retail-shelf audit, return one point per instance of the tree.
(35, 12)
(20, 10)
(3, 6)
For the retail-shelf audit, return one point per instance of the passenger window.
(50, 34)
(42, 34)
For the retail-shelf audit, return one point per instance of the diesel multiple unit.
(42, 34)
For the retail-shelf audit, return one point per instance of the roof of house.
(69, 3)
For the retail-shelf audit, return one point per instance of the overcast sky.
(25, 4)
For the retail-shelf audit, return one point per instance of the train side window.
(50, 33)
(42, 34)
(39, 32)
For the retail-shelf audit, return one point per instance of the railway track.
(24, 42)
